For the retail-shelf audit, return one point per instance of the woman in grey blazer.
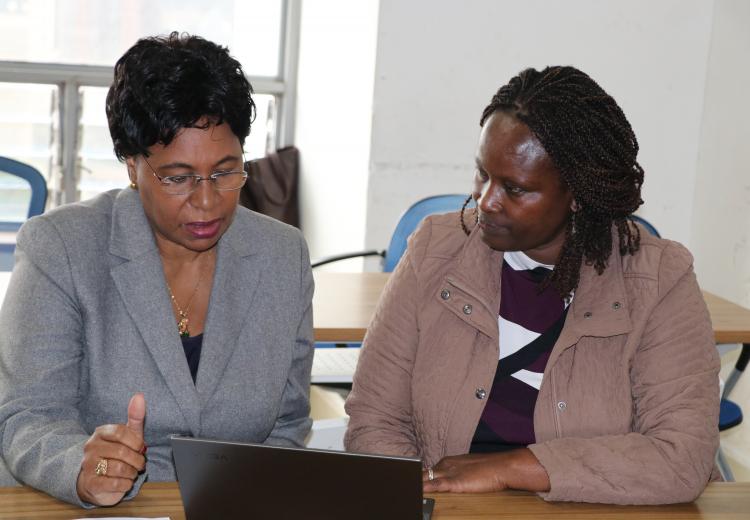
(159, 309)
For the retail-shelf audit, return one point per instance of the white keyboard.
(334, 365)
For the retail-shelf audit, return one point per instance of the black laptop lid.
(221, 480)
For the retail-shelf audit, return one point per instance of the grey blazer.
(87, 322)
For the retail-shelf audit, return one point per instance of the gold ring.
(101, 468)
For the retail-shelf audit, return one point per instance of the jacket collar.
(599, 307)
(142, 287)
(131, 234)
(477, 273)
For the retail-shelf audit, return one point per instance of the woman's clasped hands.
(113, 457)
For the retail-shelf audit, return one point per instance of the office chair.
(329, 433)
(646, 224)
(36, 182)
(37, 201)
(408, 222)
(730, 414)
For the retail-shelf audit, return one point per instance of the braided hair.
(589, 140)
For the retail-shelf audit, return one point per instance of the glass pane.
(100, 169)
(26, 126)
(15, 197)
(97, 32)
(263, 128)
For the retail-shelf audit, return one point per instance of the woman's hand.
(485, 472)
(112, 458)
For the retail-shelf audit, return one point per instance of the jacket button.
(562, 406)
(616, 305)
(467, 309)
(445, 294)
(480, 393)
(587, 314)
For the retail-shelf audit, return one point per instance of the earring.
(463, 209)
(573, 217)
(134, 185)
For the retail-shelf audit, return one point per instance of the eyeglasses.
(185, 184)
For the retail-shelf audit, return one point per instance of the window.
(99, 169)
(26, 129)
(56, 59)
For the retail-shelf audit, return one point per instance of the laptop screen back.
(234, 480)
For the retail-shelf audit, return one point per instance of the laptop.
(222, 480)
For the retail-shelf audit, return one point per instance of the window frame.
(70, 78)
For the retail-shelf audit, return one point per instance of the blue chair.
(730, 414)
(36, 182)
(38, 199)
(646, 224)
(411, 219)
(408, 222)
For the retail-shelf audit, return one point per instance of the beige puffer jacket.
(628, 408)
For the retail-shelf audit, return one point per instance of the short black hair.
(163, 84)
(590, 141)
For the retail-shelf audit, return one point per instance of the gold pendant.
(182, 326)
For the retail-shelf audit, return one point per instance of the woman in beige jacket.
(543, 342)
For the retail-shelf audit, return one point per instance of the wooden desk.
(720, 501)
(730, 321)
(345, 302)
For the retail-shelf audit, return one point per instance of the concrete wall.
(720, 237)
(721, 207)
(390, 94)
(334, 117)
(439, 62)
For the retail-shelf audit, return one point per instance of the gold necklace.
(182, 323)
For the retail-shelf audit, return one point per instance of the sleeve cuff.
(544, 455)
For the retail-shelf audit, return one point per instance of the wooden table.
(345, 302)
(720, 501)
(730, 321)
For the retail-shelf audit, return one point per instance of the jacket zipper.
(553, 396)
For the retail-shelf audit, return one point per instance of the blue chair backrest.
(411, 219)
(646, 224)
(442, 204)
(35, 180)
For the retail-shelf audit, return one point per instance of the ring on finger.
(430, 474)
(101, 468)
